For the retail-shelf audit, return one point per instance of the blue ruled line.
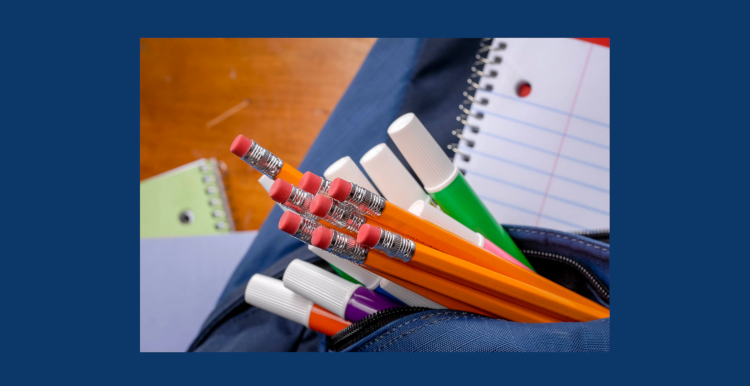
(545, 108)
(494, 201)
(557, 176)
(568, 136)
(544, 151)
(473, 173)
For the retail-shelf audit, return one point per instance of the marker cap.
(435, 216)
(367, 278)
(346, 169)
(270, 294)
(395, 182)
(320, 286)
(423, 153)
(408, 297)
(266, 182)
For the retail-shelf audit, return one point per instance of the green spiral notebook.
(187, 201)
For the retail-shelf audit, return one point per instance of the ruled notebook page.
(542, 160)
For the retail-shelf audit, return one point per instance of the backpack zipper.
(596, 234)
(598, 286)
(361, 329)
(369, 324)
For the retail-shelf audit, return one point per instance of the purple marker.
(343, 298)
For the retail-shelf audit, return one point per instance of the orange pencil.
(435, 296)
(391, 217)
(441, 264)
(263, 160)
(346, 247)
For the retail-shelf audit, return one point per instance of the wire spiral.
(477, 71)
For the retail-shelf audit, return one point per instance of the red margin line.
(567, 123)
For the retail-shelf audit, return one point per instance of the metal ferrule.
(263, 160)
(346, 247)
(366, 201)
(345, 216)
(300, 201)
(395, 245)
(305, 230)
(323, 190)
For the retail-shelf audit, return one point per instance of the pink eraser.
(289, 222)
(280, 190)
(368, 235)
(339, 189)
(310, 183)
(322, 237)
(321, 205)
(241, 145)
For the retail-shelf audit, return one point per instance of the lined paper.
(542, 160)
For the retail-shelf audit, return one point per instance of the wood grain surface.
(197, 95)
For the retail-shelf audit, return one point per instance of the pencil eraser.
(310, 183)
(339, 189)
(322, 237)
(368, 235)
(289, 222)
(321, 205)
(280, 191)
(241, 145)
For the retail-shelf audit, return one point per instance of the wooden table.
(197, 95)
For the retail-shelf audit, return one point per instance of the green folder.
(187, 201)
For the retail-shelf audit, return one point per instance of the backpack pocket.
(578, 263)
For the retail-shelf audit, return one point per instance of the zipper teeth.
(352, 333)
(594, 233)
(599, 286)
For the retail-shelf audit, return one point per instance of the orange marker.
(441, 264)
(270, 294)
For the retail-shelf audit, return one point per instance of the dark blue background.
(70, 149)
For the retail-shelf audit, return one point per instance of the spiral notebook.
(187, 201)
(541, 159)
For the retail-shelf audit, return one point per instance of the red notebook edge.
(600, 41)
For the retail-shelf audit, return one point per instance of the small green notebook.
(187, 201)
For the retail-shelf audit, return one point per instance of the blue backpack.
(424, 76)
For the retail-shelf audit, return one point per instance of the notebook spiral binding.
(485, 47)
(212, 172)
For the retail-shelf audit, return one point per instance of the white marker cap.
(267, 182)
(270, 294)
(423, 153)
(391, 177)
(437, 217)
(408, 297)
(322, 287)
(367, 278)
(346, 169)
